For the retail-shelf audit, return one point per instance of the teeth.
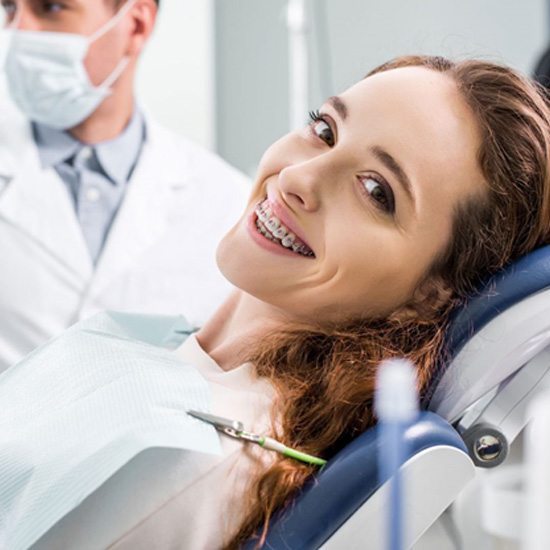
(271, 228)
(272, 224)
(288, 240)
(262, 215)
(262, 230)
(280, 232)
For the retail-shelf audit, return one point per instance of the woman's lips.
(280, 212)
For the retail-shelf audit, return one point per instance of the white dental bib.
(79, 408)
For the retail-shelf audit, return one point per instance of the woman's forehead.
(418, 110)
(408, 91)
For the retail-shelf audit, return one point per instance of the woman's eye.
(380, 193)
(321, 128)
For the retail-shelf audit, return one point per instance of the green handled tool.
(234, 428)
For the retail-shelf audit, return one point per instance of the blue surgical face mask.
(47, 78)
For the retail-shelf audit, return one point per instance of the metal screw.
(487, 448)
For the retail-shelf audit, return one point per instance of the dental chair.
(499, 359)
(476, 405)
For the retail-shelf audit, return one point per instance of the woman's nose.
(300, 185)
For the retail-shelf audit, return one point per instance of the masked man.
(100, 208)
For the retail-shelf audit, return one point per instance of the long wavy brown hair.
(325, 376)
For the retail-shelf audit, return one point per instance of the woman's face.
(349, 213)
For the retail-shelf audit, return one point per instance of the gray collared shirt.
(96, 176)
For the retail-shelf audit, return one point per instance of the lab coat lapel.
(141, 219)
(36, 201)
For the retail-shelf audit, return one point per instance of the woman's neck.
(240, 322)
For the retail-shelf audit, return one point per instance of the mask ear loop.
(123, 63)
(118, 70)
(112, 22)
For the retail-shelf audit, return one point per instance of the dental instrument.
(234, 428)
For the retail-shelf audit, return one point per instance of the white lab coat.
(159, 256)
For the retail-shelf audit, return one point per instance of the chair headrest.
(522, 279)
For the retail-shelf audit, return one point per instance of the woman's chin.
(235, 260)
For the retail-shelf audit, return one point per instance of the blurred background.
(217, 71)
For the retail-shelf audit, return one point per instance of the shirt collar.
(117, 157)
(54, 146)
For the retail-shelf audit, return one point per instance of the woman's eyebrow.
(339, 106)
(381, 154)
(391, 164)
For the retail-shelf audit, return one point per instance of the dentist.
(100, 208)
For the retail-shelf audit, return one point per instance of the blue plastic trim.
(347, 481)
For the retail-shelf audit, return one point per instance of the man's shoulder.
(201, 163)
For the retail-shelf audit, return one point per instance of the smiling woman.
(409, 189)
(361, 188)
(364, 231)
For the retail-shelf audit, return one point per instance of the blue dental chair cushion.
(521, 279)
(348, 480)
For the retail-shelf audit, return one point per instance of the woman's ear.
(428, 299)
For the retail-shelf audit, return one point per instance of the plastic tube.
(298, 62)
(396, 403)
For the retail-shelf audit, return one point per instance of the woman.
(364, 230)
(472, 139)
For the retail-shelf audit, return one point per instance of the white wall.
(365, 33)
(216, 70)
(176, 76)
(252, 79)
(353, 36)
